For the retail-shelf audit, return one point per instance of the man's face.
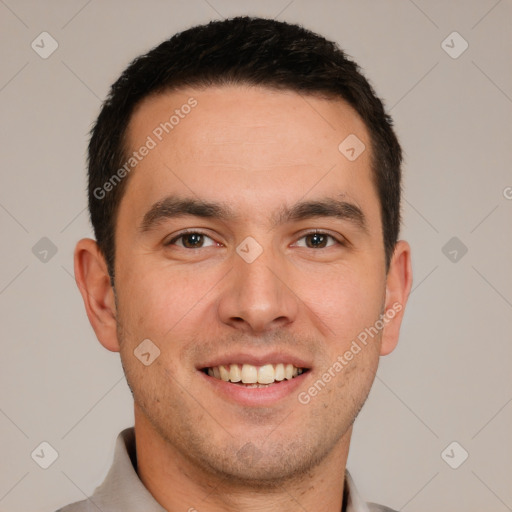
(283, 296)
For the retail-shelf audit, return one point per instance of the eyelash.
(304, 235)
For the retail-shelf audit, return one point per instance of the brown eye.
(317, 240)
(191, 240)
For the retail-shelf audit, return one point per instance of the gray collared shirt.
(122, 490)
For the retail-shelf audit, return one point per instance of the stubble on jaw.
(258, 464)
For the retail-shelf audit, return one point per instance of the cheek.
(346, 300)
(155, 300)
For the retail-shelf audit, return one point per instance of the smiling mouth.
(255, 376)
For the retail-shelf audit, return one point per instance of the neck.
(179, 484)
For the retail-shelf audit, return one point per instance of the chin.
(269, 467)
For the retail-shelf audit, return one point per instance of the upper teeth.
(249, 374)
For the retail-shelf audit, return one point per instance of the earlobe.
(93, 281)
(398, 287)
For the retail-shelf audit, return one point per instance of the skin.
(255, 150)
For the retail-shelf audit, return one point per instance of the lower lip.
(252, 397)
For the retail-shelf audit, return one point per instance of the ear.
(93, 281)
(398, 287)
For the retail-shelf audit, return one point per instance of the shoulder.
(374, 507)
(79, 506)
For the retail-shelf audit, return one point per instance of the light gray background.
(449, 380)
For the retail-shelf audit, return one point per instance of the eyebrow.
(174, 206)
(327, 207)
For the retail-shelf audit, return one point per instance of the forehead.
(247, 116)
(252, 145)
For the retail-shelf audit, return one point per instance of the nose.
(257, 297)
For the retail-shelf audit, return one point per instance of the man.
(244, 188)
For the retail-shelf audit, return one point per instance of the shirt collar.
(123, 490)
(354, 501)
